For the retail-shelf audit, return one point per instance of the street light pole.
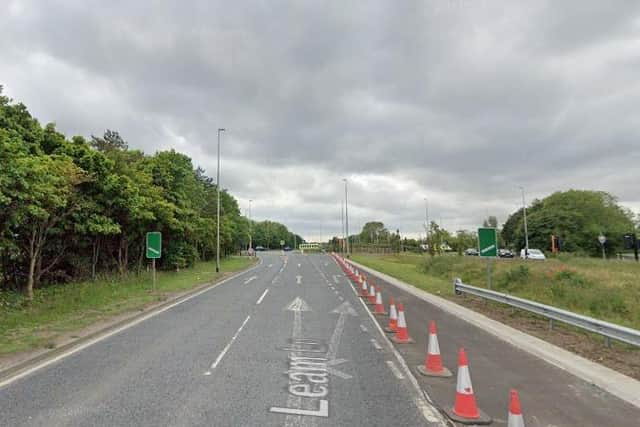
(342, 224)
(250, 227)
(346, 214)
(218, 206)
(526, 232)
(426, 218)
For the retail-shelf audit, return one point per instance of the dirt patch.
(620, 357)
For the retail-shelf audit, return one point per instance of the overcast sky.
(458, 101)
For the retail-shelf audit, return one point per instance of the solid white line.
(375, 344)
(429, 412)
(122, 328)
(228, 346)
(395, 370)
(262, 297)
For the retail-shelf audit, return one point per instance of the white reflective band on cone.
(463, 385)
(433, 347)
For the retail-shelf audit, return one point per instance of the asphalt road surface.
(286, 343)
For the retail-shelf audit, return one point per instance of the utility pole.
(218, 206)
(426, 218)
(346, 214)
(526, 232)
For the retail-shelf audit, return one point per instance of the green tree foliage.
(374, 232)
(268, 234)
(577, 217)
(71, 209)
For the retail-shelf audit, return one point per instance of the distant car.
(260, 248)
(471, 252)
(505, 253)
(287, 248)
(535, 254)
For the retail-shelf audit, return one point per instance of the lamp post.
(526, 232)
(346, 214)
(218, 206)
(250, 227)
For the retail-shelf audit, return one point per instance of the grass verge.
(63, 308)
(606, 290)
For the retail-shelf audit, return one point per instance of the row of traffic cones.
(465, 409)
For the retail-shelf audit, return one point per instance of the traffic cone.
(515, 412)
(379, 310)
(364, 290)
(402, 333)
(393, 317)
(465, 409)
(371, 300)
(433, 363)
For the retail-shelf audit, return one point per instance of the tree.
(491, 221)
(577, 217)
(374, 232)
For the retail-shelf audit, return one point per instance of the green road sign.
(281, 242)
(487, 242)
(154, 244)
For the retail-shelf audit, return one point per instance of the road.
(286, 343)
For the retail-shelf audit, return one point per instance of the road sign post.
(488, 248)
(154, 251)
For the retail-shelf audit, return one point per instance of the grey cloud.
(457, 101)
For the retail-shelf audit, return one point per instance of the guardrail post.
(551, 324)
(456, 281)
(607, 342)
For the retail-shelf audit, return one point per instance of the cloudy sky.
(458, 101)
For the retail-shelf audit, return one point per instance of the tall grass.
(607, 290)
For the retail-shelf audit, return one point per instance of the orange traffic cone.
(379, 310)
(402, 334)
(433, 363)
(364, 290)
(465, 409)
(393, 317)
(371, 300)
(515, 413)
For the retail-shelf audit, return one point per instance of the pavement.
(286, 343)
(550, 396)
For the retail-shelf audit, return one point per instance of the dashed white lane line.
(340, 298)
(264, 294)
(335, 291)
(375, 344)
(250, 279)
(227, 347)
(395, 370)
(363, 328)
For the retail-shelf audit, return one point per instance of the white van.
(533, 254)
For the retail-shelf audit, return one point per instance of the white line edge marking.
(375, 344)
(227, 347)
(264, 294)
(120, 329)
(395, 369)
(428, 411)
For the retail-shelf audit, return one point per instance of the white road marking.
(343, 310)
(428, 411)
(264, 294)
(335, 291)
(340, 298)
(323, 410)
(364, 328)
(299, 265)
(120, 329)
(336, 279)
(227, 347)
(250, 279)
(395, 370)
(299, 280)
(270, 265)
(375, 344)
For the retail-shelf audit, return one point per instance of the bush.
(513, 278)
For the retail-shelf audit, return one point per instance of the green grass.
(63, 308)
(607, 290)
